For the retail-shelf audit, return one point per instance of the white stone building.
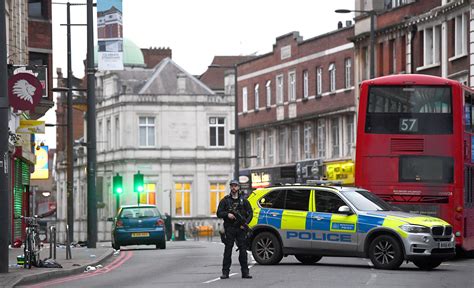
(169, 126)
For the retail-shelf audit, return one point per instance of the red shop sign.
(24, 91)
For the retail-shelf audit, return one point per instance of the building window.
(350, 134)
(319, 81)
(308, 127)
(148, 196)
(292, 86)
(460, 35)
(335, 137)
(36, 9)
(279, 92)
(248, 149)
(182, 199)
(217, 192)
(216, 131)
(365, 64)
(294, 144)
(244, 100)
(258, 148)
(432, 45)
(332, 77)
(100, 134)
(347, 74)
(282, 140)
(393, 57)
(305, 84)
(270, 147)
(268, 89)
(322, 138)
(108, 131)
(146, 127)
(257, 96)
(117, 132)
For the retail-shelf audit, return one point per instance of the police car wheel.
(385, 252)
(266, 249)
(427, 264)
(308, 259)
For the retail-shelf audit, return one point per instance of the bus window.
(468, 111)
(409, 110)
(426, 169)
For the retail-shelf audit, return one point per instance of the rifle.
(242, 221)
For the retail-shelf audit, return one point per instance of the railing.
(203, 231)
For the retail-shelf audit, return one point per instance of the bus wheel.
(308, 259)
(385, 252)
(266, 249)
(427, 264)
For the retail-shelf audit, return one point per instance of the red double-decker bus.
(415, 147)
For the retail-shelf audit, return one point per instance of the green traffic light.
(140, 189)
(138, 182)
(117, 184)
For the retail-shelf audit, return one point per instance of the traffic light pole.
(117, 203)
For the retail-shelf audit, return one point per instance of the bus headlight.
(415, 228)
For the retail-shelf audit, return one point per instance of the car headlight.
(415, 228)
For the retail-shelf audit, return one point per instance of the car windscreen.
(139, 212)
(365, 201)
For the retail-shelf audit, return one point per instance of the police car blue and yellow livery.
(315, 221)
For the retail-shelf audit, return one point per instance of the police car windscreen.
(366, 201)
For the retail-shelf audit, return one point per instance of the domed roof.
(132, 54)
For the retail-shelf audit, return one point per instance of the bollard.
(52, 242)
(68, 244)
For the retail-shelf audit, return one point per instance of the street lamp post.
(372, 14)
(4, 154)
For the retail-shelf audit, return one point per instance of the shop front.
(341, 171)
(265, 177)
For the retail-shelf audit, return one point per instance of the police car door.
(293, 224)
(331, 230)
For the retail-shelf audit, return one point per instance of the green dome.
(132, 54)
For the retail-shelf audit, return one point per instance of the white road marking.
(219, 278)
(372, 279)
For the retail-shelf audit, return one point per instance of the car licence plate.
(446, 244)
(141, 234)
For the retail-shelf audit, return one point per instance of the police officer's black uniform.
(234, 232)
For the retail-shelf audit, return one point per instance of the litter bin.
(168, 227)
(179, 231)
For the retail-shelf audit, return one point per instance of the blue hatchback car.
(138, 225)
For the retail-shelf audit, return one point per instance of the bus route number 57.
(408, 125)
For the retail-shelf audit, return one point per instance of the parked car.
(138, 225)
(312, 221)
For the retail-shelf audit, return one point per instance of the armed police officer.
(237, 213)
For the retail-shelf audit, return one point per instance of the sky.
(196, 31)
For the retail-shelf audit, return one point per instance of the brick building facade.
(427, 37)
(296, 110)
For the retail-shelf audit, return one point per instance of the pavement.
(81, 258)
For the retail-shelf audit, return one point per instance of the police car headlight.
(415, 228)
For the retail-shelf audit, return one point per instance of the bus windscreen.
(409, 109)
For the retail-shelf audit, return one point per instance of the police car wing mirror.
(345, 210)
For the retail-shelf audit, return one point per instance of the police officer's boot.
(246, 276)
(225, 275)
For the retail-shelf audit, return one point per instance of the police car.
(313, 221)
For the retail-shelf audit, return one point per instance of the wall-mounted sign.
(24, 91)
(341, 171)
(41, 166)
(260, 179)
(31, 127)
(39, 71)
